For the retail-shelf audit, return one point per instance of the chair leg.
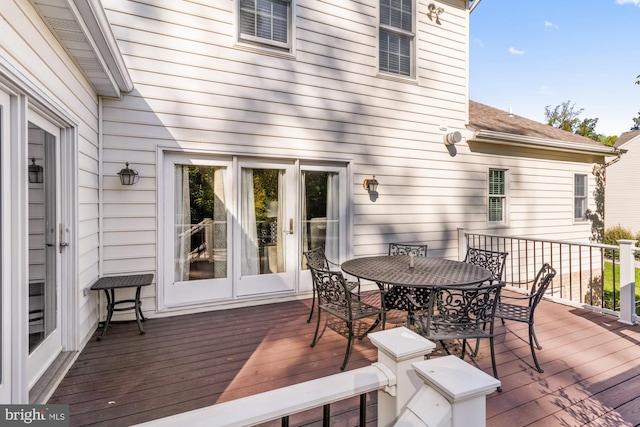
(535, 338)
(313, 303)
(493, 363)
(532, 338)
(348, 352)
(315, 336)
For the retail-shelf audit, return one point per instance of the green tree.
(636, 122)
(564, 116)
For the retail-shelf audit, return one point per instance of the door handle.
(290, 231)
(62, 244)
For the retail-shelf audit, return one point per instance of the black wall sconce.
(128, 176)
(36, 172)
(371, 185)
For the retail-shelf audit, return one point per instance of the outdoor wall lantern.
(371, 185)
(36, 173)
(128, 176)
(434, 12)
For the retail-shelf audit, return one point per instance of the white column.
(454, 394)
(398, 349)
(462, 243)
(627, 282)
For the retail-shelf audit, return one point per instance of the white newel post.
(462, 243)
(627, 282)
(398, 349)
(453, 395)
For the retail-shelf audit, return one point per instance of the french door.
(236, 228)
(266, 252)
(45, 245)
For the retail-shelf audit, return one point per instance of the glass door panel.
(45, 339)
(265, 229)
(197, 230)
(323, 213)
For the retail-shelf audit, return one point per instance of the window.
(497, 196)
(265, 22)
(396, 37)
(580, 197)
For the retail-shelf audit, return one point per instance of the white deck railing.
(412, 392)
(583, 269)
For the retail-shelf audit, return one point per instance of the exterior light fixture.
(128, 176)
(371, 185)
(36, 173)
(434, 12)
(452, 138)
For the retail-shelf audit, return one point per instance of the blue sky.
(526, 55)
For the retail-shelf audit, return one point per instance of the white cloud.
(478, 42)
(553, 26)
(515, 51)
(636, 2)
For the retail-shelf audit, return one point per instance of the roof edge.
(547, 144)
(96, 23)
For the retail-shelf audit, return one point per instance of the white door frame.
(24, 95)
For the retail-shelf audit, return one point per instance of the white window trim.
(586, 198)
(413, 34)
(505, 214)
(253, 42)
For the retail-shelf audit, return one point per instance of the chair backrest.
(489, 260)
(331, 287)
(540, 284)
(316, 259)
(452, 306)
(403, 249)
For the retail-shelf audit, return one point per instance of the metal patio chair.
(522, 308)
(335, 298)
(395, 297)
(461, 313)
(493, 261)
(317, 259)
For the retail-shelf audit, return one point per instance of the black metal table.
(110, 284)
(426, 272)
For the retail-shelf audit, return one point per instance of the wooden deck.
(591, 363)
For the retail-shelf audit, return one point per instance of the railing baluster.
(285, 421)
(326, 415)
(363, 410)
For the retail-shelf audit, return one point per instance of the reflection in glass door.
(323, 213)
(45, 340)
(196, 231)
(266, 227)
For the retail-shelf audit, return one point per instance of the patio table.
(110, 283)
(426, 272)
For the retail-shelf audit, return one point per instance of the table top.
(129, 281)
(426, 272)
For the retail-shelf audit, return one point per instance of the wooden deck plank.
(592, 369)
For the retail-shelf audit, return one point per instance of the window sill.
(398, 78)
(264, 50)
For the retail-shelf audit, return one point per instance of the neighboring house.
(622, 203)
(252, 131)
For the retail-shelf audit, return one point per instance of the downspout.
(100, 190)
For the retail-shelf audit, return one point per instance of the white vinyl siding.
(580, 198)
(622, 200)
(396, 37)
(265, 22)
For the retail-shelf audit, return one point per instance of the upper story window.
(266, 22)
(580, 197)
(396, 37)
(498, 196)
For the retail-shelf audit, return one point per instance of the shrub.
(613, 234)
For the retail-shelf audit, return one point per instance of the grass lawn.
(608, 279)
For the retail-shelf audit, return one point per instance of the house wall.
(622, 204)
(28, 48)
(196, 88)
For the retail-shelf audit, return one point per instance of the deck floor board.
(591, 363)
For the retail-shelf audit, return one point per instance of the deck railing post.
(453, 394)
(627, 282)
(398, 349)
(462, 243)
